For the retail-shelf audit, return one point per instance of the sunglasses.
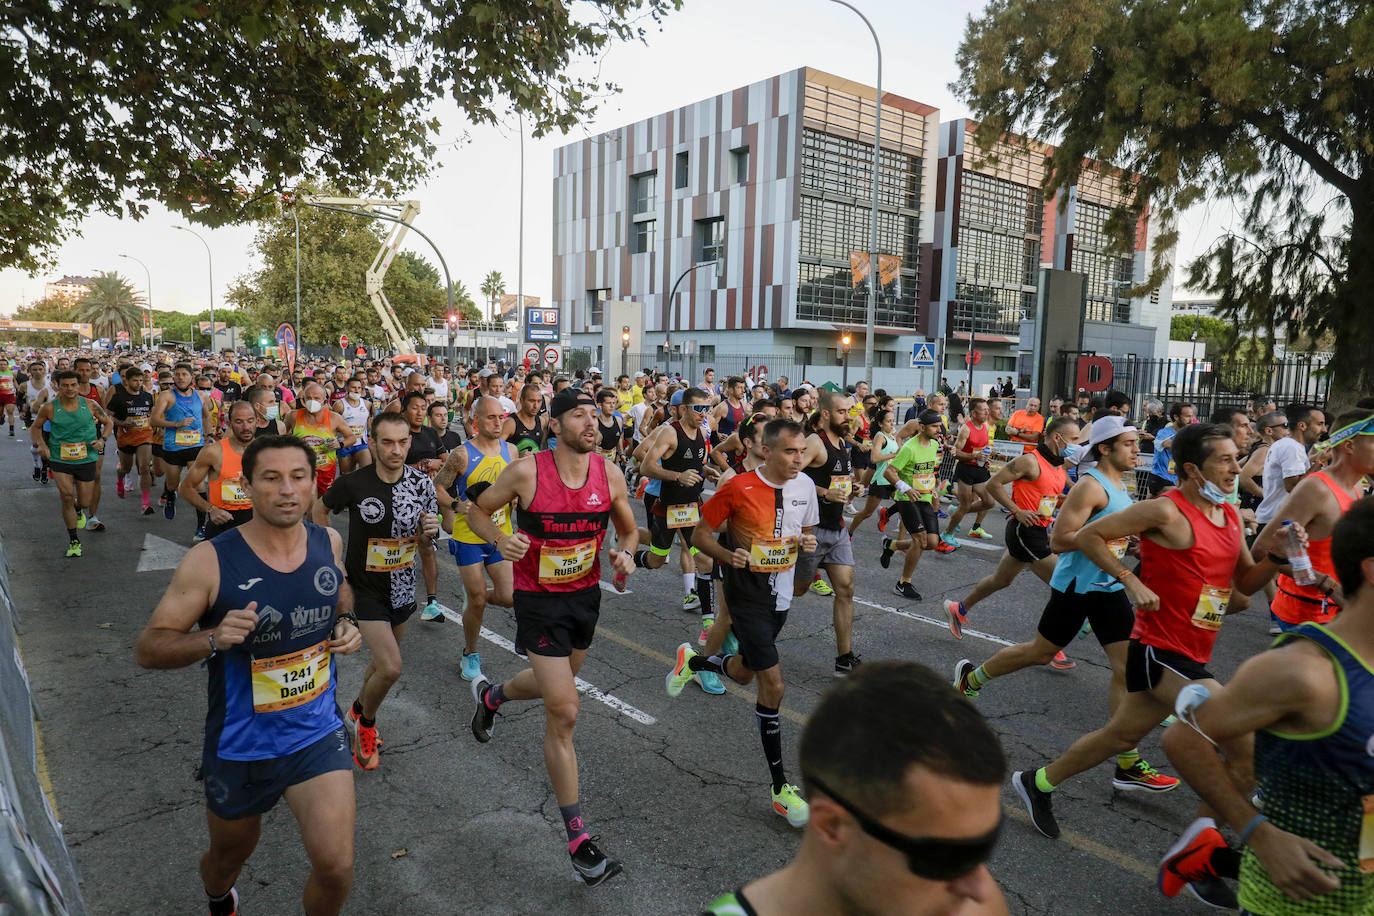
(927, 857)
(701, 408)
(1278, 426)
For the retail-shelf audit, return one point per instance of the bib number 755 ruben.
(565, 564)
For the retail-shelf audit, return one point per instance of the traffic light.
(263, 341)
(844, 341)
(625, 335)
(452, 321)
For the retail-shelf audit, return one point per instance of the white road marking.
(160, 553)
(591, 690)
(610, 589)
(981, 545)
(942, 624)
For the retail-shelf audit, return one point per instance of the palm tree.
(112, 305)
(464, 303)
(493, 287)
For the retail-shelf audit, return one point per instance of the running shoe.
(351, 725)
(941, 513)
(980, 534)
(788, 802)
(1168, 720)
(471, 668)
(850, 509)
(954, 610)
(232, 903)
(119, 487)
(80, 518)
(691, 602)
(74, 548)
(37, 473)
(946, 546)
(365, 753)
(1085, 630)
(147, 510)
(1141, 777)
(94, 524)
(590, 865)
(169, 506)
(731, 645)
(44, 477)
(845, 664)
(707, 620)
(432, 612)
(1214, 892)
(885, 558)
(681, 673)
(199, 535)
(882, 518)
(906, 590)
(1189, 859)
(948, 537)
(709, 682)
(1039, 804)
(821, 587)
(1063, 662)
(483, 719)
(962, 669)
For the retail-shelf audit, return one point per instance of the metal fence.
(1204, 383)
(691, 367)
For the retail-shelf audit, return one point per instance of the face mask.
(314, 406)
(273, 411)
(1073, 454)
(1213, 493)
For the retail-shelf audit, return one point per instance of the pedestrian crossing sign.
(922, 357)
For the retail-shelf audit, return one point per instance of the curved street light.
(211, 260)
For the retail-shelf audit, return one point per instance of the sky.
(470, 204)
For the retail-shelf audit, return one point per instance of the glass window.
(643, 235)
(596, 303)
(826, 293)
(739, 165)
(643, 192)
(709, 239)
(801, 355)
(1000, 204)
(844, 166)
(681, 170)
(1107, 273)
(708, 351)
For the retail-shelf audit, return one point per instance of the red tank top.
(565, 527)
(976, 442)
(1300, 603)
(1193, 585)
(1041, 495)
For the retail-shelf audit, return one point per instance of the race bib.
(843, 483)
(500, 517)
(606, 452)
(923, 484)
(684, 516)
(358, 430)
(565, 564)
(187, 436)
(1171, 467)
(1118, 547)
(72, 451)
(1048, 502)
(6, 384)
(768, 555)
(233, 494)
(1367, 835)
(138, 422)
(287, 681)
(386, 554)
(1211, 607)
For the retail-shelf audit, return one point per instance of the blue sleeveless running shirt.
(1075, 572)
(273, 694)
(175, 440)
(1321, 787)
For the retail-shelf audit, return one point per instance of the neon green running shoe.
(81, 519)
(681, 673)
(74, 548)
(788, 802)
(822, 587)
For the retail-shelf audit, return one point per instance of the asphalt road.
(675, 788)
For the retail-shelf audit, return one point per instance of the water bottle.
(1189, 699)
(1297, 558)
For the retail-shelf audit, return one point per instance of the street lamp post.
(973, 324)
(872, 316)
(211, 261)
(844, 347)
(719, 264)
(148, 302)
(625, 350)
(296, 214)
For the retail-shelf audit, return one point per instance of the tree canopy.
(1264, 104)
(216, 109)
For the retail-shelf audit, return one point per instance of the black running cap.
(929, 417)
(569, 399)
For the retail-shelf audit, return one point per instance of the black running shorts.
(1026, 543)
(757, 630)
(971, 474)
(1145, 667)
(81, 473)
(1109, 612)
(917, 516)
(366, 607)
(183, 457)
(555, 624)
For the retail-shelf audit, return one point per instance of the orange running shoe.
(365, 753)
(1062, 662)
(1189, 859)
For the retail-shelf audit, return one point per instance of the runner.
(1307, 705)
(972, 451)
(323, 430)
(827, 463)
(219, 470)
(392, 514)
(565, 499)
(609, 426)
(94, 393)
(524, 429)
(903, 780)
(767, 514)
(1079, 590)
(1026, 425)
(131, 407)
(1037, 481)
(911, 473)
(356, 413)
(78, 433)
(1163, 471)
(1317, 503)
(731, 410)
(264, 401)
(183, 416)
(273, 727)
(1288, 462)
(426, 453)
(9, 392)
(1192, 558)
(466, 473)
(37, 392)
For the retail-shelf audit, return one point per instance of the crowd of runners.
(1147, 535)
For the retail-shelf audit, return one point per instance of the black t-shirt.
(424, 445)
(1152, 426)
(231, 391)
(383, 520)
(450, 439)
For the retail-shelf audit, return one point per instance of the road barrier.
(37, 875)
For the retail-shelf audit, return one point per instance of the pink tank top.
(565, 527)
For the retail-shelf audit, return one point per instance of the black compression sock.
(71, 534)
(770, 730)
(365, 722)
(704, 594)
(201, 517)
(702, 663)
(357, 708)
(642, 558)
(222, 906)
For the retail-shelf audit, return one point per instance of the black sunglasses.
(927, 857)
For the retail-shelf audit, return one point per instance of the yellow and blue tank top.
(482, 469)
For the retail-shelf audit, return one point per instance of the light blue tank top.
(1076, 573)
(183, 407)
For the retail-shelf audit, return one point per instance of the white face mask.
(314, 406)
(273, 412)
